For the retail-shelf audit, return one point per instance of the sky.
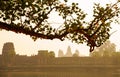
(24, 45)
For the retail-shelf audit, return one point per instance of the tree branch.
(27, 31)
(44, 17)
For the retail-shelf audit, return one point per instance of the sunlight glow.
(24, 45)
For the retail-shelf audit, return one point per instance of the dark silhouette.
(36, 20)
(44, 59)
(106, 50)
(45, 64)
(8, 49)
(8, 53)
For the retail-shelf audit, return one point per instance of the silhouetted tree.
(51, 54)
(106, 50)
(95, 54)
(31, 18)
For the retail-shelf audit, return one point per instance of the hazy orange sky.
(24, 45)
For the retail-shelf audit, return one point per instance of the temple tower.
(8, 54)
(8, 49)
(69, 53)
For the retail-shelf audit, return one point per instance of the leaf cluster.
(31, 18)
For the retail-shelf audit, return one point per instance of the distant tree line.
(108, 49)
(31, 17)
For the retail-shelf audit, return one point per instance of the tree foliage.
(108, 49)
(51, 54)
(31, 18)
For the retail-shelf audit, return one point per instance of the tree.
(108, 49)
(30, 17)
(95, 54)
(51, 54)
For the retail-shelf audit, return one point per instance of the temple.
(44, 58)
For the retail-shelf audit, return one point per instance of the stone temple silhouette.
(60, 53)
(46, 60)
(69, 53)
(8, 49)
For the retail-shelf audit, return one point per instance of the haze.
(24, 45)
